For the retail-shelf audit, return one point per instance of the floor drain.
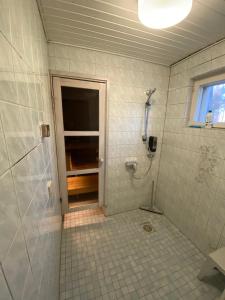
(147, 227)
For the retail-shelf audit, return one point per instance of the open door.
(80, 139)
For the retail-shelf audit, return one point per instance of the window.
(209, 95)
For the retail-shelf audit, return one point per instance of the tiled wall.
(29, 216)
(192, 168)
(191, 178)
(128, 80)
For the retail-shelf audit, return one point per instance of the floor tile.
(114, 258)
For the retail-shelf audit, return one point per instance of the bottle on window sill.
(208, 119)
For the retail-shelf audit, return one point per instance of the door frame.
(56, 82)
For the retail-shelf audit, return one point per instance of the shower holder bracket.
(144, 139)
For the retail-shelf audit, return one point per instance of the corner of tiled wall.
(30, 226)
(190, 195)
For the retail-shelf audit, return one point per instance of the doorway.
(80, 139)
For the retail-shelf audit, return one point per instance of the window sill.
(202, 125)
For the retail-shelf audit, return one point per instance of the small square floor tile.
(106, 258)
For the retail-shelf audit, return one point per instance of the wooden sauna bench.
(71, 165)
(82, 184)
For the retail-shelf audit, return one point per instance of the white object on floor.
(216, 260)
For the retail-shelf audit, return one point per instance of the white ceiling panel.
(113, 26)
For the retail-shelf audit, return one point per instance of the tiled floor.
(114, 258)
(76, 204)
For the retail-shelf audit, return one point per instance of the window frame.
(197, 89)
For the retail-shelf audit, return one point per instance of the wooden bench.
(82, 184)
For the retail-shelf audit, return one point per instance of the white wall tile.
(4, 161)
(61, 64)
(9, 213)
(8, 87)
(16, 266)
(30, 288)
(22, 88)
(128, 81)
(23, 184)
(191, 176)
(14, 131)
(81, 67)
(5, 294)
(6, 63)
(26, 161)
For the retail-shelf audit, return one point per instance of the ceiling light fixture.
(159, 14)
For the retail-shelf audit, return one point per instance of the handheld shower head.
(149, 93)
(148, 104)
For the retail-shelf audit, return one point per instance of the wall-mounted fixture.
(148, 105)
(45, 130)
(131, 164)
(152, 144)
(159, 14)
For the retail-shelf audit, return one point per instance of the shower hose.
(145, 173)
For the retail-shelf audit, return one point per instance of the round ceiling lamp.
(159, 14)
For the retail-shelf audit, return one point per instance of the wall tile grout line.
(6, 281)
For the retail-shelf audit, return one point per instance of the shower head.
(149, 93)
(148, 104)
